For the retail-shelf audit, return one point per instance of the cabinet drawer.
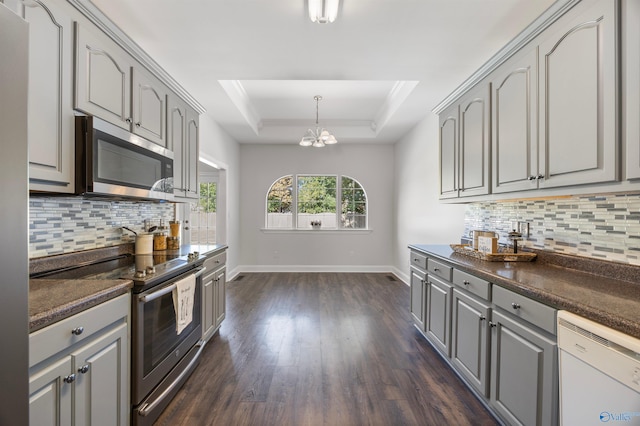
(214, 262)
(529, 310)
(418, 260)
(440, 269)
(56, 337)
(475, 285)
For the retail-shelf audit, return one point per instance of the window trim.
(294, 206)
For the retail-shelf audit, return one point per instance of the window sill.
(316, 231)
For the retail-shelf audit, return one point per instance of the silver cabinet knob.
(515, 305)
(540, 177)
(77, 331)
(129, 120)
(532, 177)
(492, 324)
(138, 124)
(70, 378)
(482, 318)
(84, 369)
(436, 269)
(466, 282)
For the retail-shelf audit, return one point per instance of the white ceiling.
(256, 65)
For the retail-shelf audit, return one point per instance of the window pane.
(317, 201)
(279, 205)
(203, 217)
(354, 205)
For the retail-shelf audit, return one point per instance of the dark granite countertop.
(53, 300)
(608, 294)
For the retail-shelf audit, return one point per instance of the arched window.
(316, 202)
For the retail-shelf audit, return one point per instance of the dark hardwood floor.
(321, 349)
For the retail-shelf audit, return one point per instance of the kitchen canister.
(144, 243)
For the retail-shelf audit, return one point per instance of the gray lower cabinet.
(470, 339)
(503, 344)
(213, 294)
(79, 368)
(438, 313)
(418, 283)
(524, 387)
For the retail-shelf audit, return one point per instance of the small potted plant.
(316, 224)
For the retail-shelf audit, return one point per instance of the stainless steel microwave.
(113, 162)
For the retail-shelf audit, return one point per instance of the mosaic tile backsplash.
(63, 225)
(603, 226)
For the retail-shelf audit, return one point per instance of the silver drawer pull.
(515, 305)
(84, 369)
(436, 269)
(482, 318)
(77, 331)
(492, 324)
(70, 378)
(466, 282)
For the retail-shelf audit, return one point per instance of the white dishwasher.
(599, 374)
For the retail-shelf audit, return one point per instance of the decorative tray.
(505, 254)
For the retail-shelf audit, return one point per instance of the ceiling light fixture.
(323, 11)
(320, 137)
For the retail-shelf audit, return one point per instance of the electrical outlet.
(523, 229)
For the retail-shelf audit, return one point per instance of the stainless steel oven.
(162, 359)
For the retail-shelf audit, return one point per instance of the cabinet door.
(449, 153)
(103, 78)
(50, 88)
(470, 339)
(438, 314)
(50, 394)
(578, 97)
(149, 107)
(191, 155)
(102, 384)
(418, 294)
(515, 126)
(474, 143)
(631, 72)
(524, 378)
(221, 294)
(208, 305)
(176, 134)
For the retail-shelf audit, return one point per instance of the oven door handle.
(168, 289)
(146, 408)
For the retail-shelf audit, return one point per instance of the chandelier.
(320, 137)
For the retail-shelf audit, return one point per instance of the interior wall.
(420, 218)
(218, 146)
(322, 250)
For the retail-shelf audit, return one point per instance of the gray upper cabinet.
(149, 107)
(578, 97)
(183, 133)
(449, 153)
(51, 147)
(465, 146)
(474, 143)
(514, 129)
(631, 74)
(105, 75)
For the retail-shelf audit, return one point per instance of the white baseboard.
(402, 276)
